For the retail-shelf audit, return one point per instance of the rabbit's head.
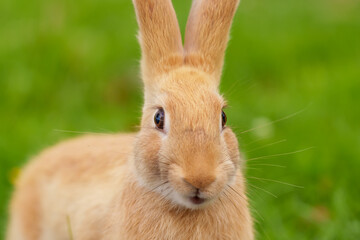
(184, 149)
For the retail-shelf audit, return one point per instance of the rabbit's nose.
(199, 181)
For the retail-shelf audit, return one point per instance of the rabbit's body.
(59, 186)
(58, 192)
(177, 178)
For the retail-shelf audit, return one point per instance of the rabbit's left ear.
(207, 34)
(159, 37)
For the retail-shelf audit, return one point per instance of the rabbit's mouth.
(192, 201)
(197, 200)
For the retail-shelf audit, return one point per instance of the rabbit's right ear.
(207, 33)
(159, 36)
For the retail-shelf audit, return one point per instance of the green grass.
(73, 65)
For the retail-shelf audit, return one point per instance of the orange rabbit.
(177, 178)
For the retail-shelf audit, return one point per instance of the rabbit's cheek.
(220, 183)
(146, 157)
(232, 146)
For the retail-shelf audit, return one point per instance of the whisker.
(235, 85)
(241, 196)
(252, 142)
(251, 192)
(270, 193)
(258, 213)
(256, 169)
(107, 130)
(280, 154)
(138, 128)
(269, 165)
(278, 120)
(224, 192)
(253, 210)
(167, 195)
(152, 190)
(276, 181)
(246, 88)
(70, 131)
(267, 145)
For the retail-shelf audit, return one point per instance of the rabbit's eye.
(159, 118)
(223, 118)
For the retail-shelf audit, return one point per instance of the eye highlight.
(223, 118)
(159, 118)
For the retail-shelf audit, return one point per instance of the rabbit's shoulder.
(83, 158)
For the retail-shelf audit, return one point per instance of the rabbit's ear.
(159, 37)
(207, 34)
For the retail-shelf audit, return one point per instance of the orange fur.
(139, 186)
(207, 34)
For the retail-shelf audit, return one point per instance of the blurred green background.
(73, 66)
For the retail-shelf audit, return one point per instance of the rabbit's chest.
(159, 223)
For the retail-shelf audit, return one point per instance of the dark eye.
(223, 118)
(159, 118)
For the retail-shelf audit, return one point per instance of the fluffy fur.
(140, 186)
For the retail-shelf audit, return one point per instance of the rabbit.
(180, 177)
